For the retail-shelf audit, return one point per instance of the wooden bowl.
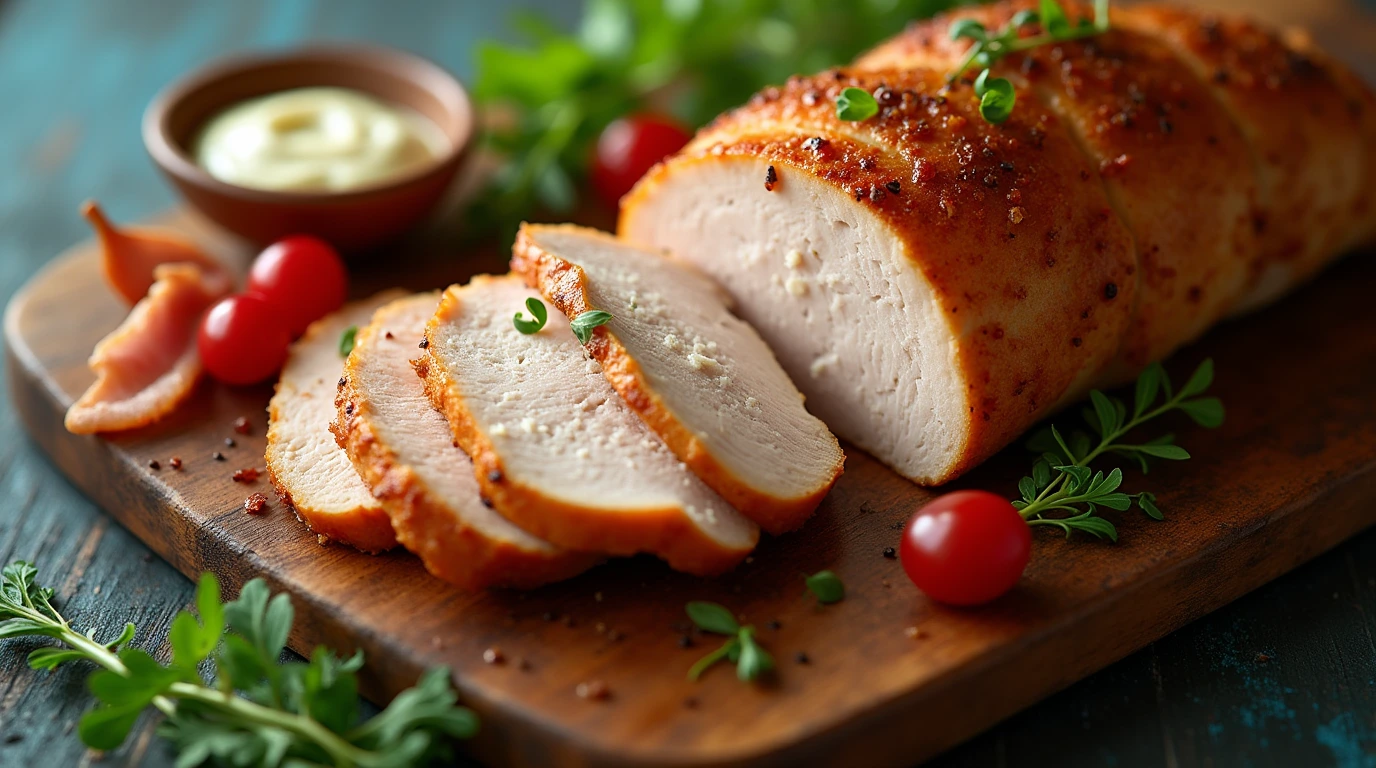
(352, 220)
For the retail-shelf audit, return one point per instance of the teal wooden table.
(1284, 677)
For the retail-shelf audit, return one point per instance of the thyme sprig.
(258, 711)
(997, 96)
(1062, 483)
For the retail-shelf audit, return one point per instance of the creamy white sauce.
(316, 140)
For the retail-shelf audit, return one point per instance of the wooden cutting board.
(890, 677)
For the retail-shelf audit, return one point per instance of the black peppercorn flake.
(217, 456)
(495, 476)
(154, 465)
(1111, 290)
(424, 343)
(342, 382)
(802, 658)
(684, 641)
(890, 552)
(1007, 166)
(894, 187)
(1077, 341)
(486, 501)
(771, 178)
(229, 442)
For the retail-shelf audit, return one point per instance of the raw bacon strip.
(149, 364)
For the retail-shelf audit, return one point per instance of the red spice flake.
(241, 425)
(255, 504)
(246, 475)
(493, 655)
(771, 179)
(176, 462)
(593, 690)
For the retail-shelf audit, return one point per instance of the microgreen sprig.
(1061, 480)
(347, 339)
(258, 711)
(538, 317)
(751, 659)
(996, 94)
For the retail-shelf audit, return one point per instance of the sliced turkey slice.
(310, 471)
(149, 364)
(402, 448)
(700, 377)
(556, 450)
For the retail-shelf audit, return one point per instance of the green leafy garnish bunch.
(742, 649)
(996, 95)
(258, 711)
(1064, 492)
(548, 100)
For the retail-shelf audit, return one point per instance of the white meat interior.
(557, 424)
(709, 368)
(833, 292)
(417, 434)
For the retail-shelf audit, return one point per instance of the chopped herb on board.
(827, 587)
(751, 659)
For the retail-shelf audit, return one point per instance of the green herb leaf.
(346, 340)
(996, 98)
(1072, 500)
(538, 317)
(726, 651)
(712, 617)
(584, 324)
(1053, 18)
(856, 105)
(1206, 411)
(827, 587)
(1199, 381)
(1148, 385)
(968, 28)
(753, 661)
(261, 712)
(1147, 502)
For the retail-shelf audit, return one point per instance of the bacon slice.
(131, 257)
(149, 364)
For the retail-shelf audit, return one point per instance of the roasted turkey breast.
(700, 377)
(935, 284)
(556, 451)
(403, 449)
(310, 471)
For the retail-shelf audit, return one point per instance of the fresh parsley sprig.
(1062, 483)
(751, 659)
(258, 711)
(996, 94)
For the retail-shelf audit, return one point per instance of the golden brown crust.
(1008, 224)
(1300, 125)
(667, 532)
(1174, 163)
(565, 285)
(426, 526)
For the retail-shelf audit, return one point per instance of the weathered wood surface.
(1197, 697)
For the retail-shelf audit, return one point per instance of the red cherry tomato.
(628, 147)
(243, 340)
(303, 277)
(966, 547)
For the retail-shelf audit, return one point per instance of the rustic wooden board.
(1289, 476)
